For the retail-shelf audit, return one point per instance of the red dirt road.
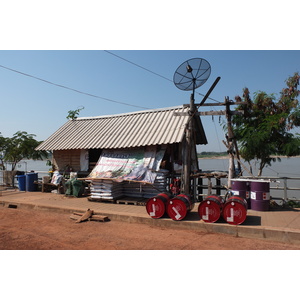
(37, 230)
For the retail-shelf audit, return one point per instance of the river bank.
(227, 157)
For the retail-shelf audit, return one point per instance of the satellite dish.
(192, 74)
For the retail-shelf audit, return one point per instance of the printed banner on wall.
(129, 164)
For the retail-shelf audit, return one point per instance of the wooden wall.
(63, 158)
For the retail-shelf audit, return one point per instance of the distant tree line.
(211, 154)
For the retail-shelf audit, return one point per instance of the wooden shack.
(78, 144)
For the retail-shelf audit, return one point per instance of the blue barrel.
(30, 179)
(22, 182)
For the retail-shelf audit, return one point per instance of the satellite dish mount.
(192, 74)
(188, 77)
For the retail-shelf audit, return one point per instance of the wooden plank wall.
(63, 158)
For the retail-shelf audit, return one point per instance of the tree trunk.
(231, 169)
(261, 167)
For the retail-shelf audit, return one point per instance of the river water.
(288, 167)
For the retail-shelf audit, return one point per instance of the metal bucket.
(241, 188)
(210, 209)
(235, 210)
(260, 195)
(156, 206)
(179, 206)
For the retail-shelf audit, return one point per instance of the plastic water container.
(22, 182)
(30, 179)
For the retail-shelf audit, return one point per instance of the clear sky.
(41, 108)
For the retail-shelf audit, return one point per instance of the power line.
(139, 66)
(71, 89)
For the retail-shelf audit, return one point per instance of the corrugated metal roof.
(142, 128)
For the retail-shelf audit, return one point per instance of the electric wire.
(139, 66)
(92, 95)
(71, 89)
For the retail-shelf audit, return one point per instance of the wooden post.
(230, 138)
(186, 163)
(200, 189)
(218, 186)
(189, 143)
(209, 186)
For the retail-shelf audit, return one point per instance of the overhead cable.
(71, 89)
(137, 65)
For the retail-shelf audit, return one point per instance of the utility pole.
(230, 143)
(229, 138)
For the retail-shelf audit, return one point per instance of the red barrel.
(260, 195)
(210, 209)
(179, 206)
(235, 210)
(241, 188)
(156, 206)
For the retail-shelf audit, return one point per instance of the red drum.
(235, 210)
(179, 206)
(210, 209)
(156, 206)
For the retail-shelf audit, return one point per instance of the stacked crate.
(106, 190)
(141, 190)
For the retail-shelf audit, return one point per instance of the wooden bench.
(48, 187)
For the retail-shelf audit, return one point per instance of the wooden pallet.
(142, 202)
(127, 201)
(102, 200)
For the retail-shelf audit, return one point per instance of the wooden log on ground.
(72, 217)
(88, 215)
(77, 214)
(85, 216)
(99, 218)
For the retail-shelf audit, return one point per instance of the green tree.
(73, 114)
(22, 146)
(264, 131)
(3, 143)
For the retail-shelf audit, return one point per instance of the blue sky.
(40, 108)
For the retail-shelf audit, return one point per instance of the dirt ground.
(28, 229)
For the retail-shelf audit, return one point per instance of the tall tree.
(3, 144)
(264, 131)
(22, 146)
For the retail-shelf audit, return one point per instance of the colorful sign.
(129, 164)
